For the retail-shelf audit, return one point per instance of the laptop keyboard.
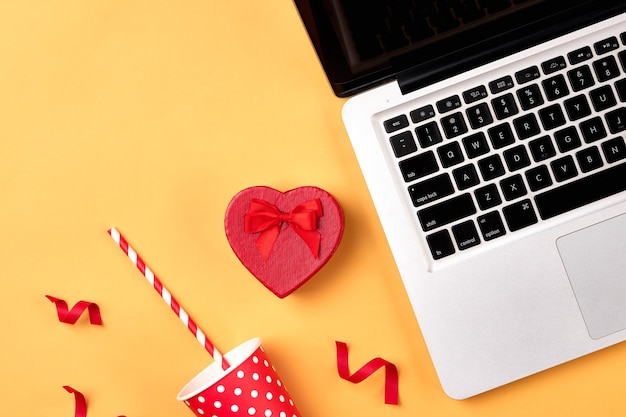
(526, 147)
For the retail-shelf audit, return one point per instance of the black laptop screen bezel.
(454, 54)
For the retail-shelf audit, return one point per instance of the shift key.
(446, 212)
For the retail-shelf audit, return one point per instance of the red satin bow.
(265, 218)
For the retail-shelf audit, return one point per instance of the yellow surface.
(149, 116)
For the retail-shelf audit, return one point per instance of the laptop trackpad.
(595, 261)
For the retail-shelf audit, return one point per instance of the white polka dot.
(187, 402)
(268, 413)
(255, 376)
(291, 402)
(269, 396)
(217, 404)
(268, 379)
(283, 414)
(238, 391)
(234, 408)
(251, 411)
(200, 411)
(201, 399)
(280, 384)
(266, 363)
(281, 398)
(240, 374)
(221, 389)
(254, 393)
(255, 359)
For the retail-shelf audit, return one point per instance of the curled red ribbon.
(391, 372)
(72, 315)
(265, 218)
(81, 402)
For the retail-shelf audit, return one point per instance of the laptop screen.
(363, 43)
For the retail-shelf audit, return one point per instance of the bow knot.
(266, 219)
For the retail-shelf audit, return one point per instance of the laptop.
(491, 135)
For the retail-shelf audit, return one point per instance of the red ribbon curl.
(391, 372)
(72, 315)
(81, 402)
(265, 218)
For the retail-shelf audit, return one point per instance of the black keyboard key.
(448, 104)
(580, 55)
(602, 98)
(553, 65)
(418, 166)
(491, 167)
(450, 154)
(606, 68)
(465, 176)
(487, 196)
(620, 86)
(454, 125)
(440, 244)
(552, 117)
(564, 168)
(530, 97)
(423, 113)
(428, 134)
(475, 94)
(580, 78)
(465, 235)
(446, 212)
(567, 139)
(396, 123)
(475, 145)
(527, 74)
(614, 149)
(555, 87)
(491, 225)
(616, 120)
(577, 107)
(403, 144)
(516, 158)
(504, 106)
(519, 215)
(526, 126)
(538, 178)
(513, 187)
(541, 148)
(589, 159)
(622, 59)
(501, 136)
(479, 116)
(593, 129)
(501, 84)
(431, 189)
(606, 45)
(581, 192)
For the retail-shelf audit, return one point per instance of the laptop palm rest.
(595, 262)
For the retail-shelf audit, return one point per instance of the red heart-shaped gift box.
(304, 228)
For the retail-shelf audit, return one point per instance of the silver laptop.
(491, 137)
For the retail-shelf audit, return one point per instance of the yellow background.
(150, 116)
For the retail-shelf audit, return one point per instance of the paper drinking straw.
(168, 298)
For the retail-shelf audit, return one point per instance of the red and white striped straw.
(168, 298)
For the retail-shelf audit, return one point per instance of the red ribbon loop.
(81, 402)
(72, 315)
(265, 218)
(391, 372)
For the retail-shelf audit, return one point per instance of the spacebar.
(581, 192)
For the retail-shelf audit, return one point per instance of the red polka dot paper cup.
(249, 387)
